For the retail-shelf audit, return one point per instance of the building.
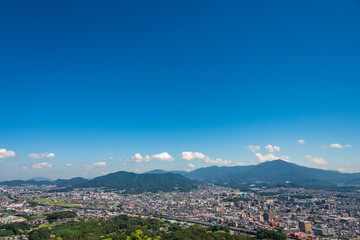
(305, 226)
(324, 231)
(269, 216)
(12, 219)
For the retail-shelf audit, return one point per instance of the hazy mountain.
(272, 173)
(70, 182)
(41, 179)
(159, 171)
(26, 182)
(215, 173)
(280, 172)
(210, 174)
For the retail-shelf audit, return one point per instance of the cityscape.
(179, 120)
(298, 212)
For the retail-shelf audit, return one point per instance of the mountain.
(159, 171)
(133, 182)
(208, 174)
(267, 173)
(70, 182)
(26, 182)
(275, 172)
(41, 179)
(216, 174)
(272, 173)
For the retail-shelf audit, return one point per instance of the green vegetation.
(55, 202)
(268, 234)
(139, 183)
(138, 235)
(40, 234)
(217, 228)
(14, 229)
(61, 215)
(42, 226)
(197, 232)
(134, 228)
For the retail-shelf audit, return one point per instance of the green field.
(55, 202)
(43, 226)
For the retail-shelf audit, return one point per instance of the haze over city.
(89, 88)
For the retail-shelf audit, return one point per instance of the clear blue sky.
(99, 81)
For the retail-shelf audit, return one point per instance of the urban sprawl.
(299, 213)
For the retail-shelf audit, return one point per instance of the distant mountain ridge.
(271, 173)
(131, 182)
(40, 179)
(134, 182)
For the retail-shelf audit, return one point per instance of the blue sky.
(96, 82)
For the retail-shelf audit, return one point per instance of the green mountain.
(26, 182)
(70, 182)
(133, 182)
(272, 173)
(267, 173)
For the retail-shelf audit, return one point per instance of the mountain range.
(271, 172)
(131, 182)
(268, 173)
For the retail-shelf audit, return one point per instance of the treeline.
(14, 229)
(115, 228)
(122, 227)
(60, 215)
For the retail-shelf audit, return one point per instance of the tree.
(138, 235)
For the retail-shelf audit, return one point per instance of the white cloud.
(36, 155)
(69, 164)
(99, 164)
(24, 167)
(267, 157)
(217, 161)
(240, 164)
(317, 160)
(138, 158)
(270, 157)
(6, 153)
(191, 165)
(336, 145)
(95, 165)
(253, 148)
(163, 157)
(41, 155)
(301, 141)
(271, 148)
(111, 158)
(285, 158)
(6, 165)
(50, 155)
(192, 155)
(42, 165)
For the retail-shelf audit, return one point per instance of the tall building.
(305, 226)
(269, 216)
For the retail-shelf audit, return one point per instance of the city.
(298, 212)
(179, 120)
